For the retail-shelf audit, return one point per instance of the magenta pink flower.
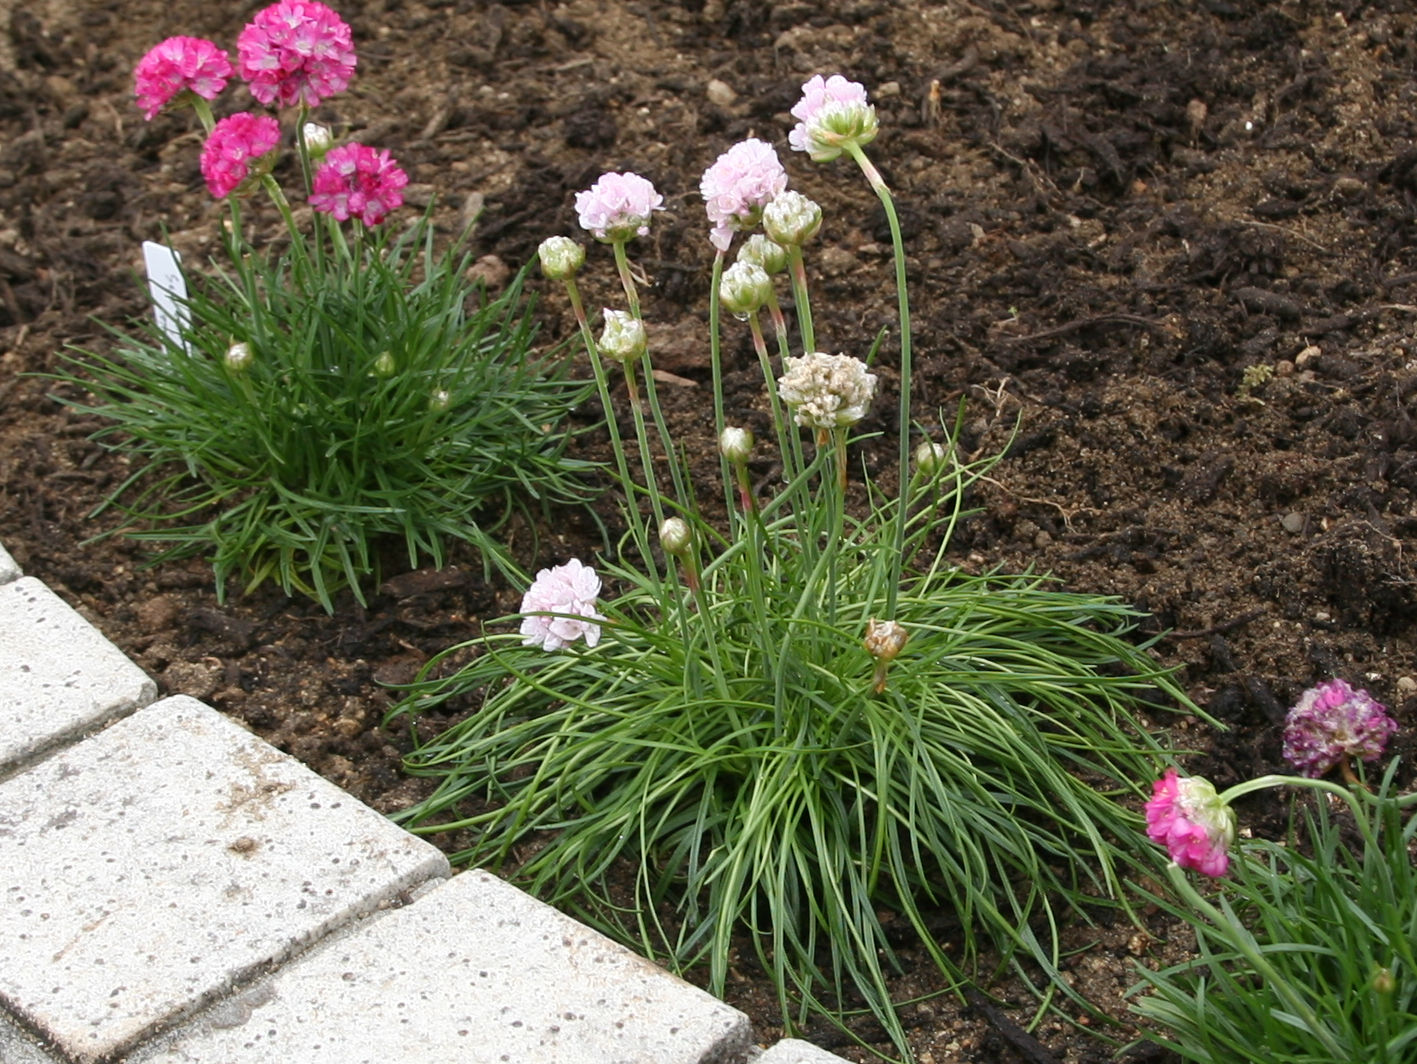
(234, 144)
(832, 113)
(738, 186)
(565, 589)
(296, 51)
(1189, 819)
(1332, 723)
(356, 181)
(617, 207)
(177, 65)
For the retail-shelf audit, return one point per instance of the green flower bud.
(318, 139)
(561, 257)
(623, 337)
(761, 251)
(744, 288)
(791, 219)
(384, 365)
(439, 400)
(239, 357)
(930, 457)
(675, 536)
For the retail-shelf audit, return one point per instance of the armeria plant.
(1307, 949)
(803, 725)
(343, 387)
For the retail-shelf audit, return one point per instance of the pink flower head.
(1332, 723)
(738, 186)
(832, 113)
(296, 51)
(177, 65)
(1190, 820)
(233, 145)
(356, 181)
(617, 207)
(565, 589)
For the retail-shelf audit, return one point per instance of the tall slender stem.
(878, 184)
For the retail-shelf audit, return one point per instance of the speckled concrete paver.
(145, 869)
(795, 1051)
(58, 676)
(8, 569)
(477, 972)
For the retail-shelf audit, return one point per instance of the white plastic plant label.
(168, 290)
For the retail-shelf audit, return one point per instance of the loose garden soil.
(1174, 243)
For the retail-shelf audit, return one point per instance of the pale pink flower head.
(1332, 723)
(1187, 817)
(178, 65)
(355, 181)
(618, 207)
(296, 51)
(738, 186)
(237, 150)
(826, 391)
(832, 114)
(568, 591)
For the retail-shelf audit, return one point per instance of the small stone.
(720, 92)
(1406, 686)
(887, 90)
(1304, 357)
(1293, 522)
(157, 614)
(490, 271)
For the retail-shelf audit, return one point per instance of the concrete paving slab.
(476, 972)
(795, 1051)
(59, 677)
(8, 569)
(17, 1047)
(146, 869)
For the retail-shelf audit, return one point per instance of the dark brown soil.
(1176, 242)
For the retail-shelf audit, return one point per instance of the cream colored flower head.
(826, 391)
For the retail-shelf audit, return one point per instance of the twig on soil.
(1024, 1044)
(1218, 629)
(1083, 323)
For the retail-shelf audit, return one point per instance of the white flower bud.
(736, 444)
(623, 337)
(561, 257)
(239, 358)
(744, 288)
(318, 139)
(761, 251)
(675, 536)
(791, 219)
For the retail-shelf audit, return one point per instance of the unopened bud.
(885, 639)
(930, 457)
(384, 365)
(791, 219)
(623, 337)
(239, 358)
(761, 251)
(675, 536)
(736, 444)
(318, 139)
(561, 257)
(744, 288)
(1383, 982)
(439, 400)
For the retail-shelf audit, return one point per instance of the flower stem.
(878, 184)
